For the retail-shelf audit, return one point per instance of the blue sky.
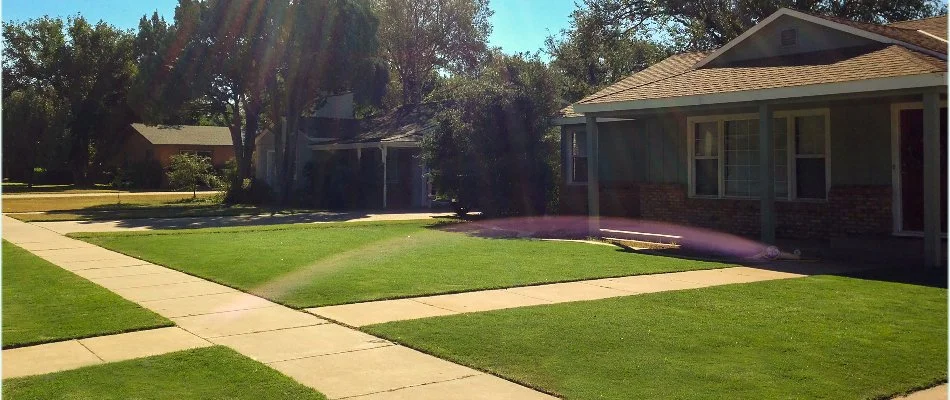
(519, 25)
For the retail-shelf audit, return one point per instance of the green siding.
(645, 150)
(861, 144)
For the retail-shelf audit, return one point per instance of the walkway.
(377, 312)
(338, 361)
(145, 224)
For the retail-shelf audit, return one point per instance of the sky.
(519, 25)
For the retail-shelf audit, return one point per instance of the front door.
(911, 146)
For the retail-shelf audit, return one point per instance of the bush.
(138, 175)
(251, 191)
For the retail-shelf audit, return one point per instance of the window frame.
(791, 157)
(569, 170)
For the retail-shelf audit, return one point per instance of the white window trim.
(789, 116)
(569, 159)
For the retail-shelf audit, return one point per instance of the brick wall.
(616, 199)
(850, 210)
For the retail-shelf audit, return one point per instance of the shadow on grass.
(696, 244)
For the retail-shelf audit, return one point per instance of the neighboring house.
(144, 144)
(372, 163)
(857, 145)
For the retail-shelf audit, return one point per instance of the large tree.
(494, 145)
(326, 48)
(701, 25)
(421, 38)
(87, 68)
(591, 54)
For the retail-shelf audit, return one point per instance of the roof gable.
(909, 38)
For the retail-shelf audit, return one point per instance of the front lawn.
(45, 303)
(816, 337)
(208, 373)
(316, 265)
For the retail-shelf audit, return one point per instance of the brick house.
(144, 144)
(858, 122)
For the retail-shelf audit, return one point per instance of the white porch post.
(766, 175)
(593, 176)
(932, 254)
(385, 171)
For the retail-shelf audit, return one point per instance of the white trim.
(897, 206)
(815, 20)
(937, 79)
(791, 157)
(583, 120)
(931, 35)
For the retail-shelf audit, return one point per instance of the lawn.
(133, 211)
(20, 187)
(44, 303)
(818, 337)
(105, 201)
(208, 373)
(315, 265)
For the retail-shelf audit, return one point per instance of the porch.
(369, 176)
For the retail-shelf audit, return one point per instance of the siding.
(861, 143)
(811, 37)
(644, 150)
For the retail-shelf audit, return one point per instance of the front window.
(725, 155)
(578, 160)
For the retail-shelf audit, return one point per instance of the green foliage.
(492, 146)
(83, 68)
(423, 37)
(145, 174)
(32, 130)
(188, 171)
(591, 55)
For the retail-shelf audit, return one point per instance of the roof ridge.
(595, 96)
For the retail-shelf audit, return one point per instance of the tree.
(87, 68)
(325, 47)
(702, 25)
(494, 143)
(32, 123)
(423, 37)
(188, 171)
(591, 54)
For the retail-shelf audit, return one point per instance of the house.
(344, 162)
(857, 147)
(147, 144)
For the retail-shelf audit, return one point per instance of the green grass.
(208, 373)
(817, 337)
(44, 303)
(20, 187)
(315, 265)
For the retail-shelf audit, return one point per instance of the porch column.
(766, 174)
(932, 254)
(593, 176)
(382, 151)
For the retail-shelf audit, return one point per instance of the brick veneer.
(616, 199)
(850, 210)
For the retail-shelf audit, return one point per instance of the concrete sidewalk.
(146, 224)
(338, 361)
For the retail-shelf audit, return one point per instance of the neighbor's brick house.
(850, 107)
(159, 143)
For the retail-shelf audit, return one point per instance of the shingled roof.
(936, 26)
(185, 134)
(684, 75)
